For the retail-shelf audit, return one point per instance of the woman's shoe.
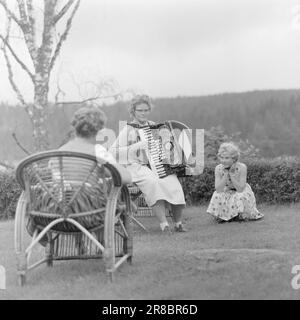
(167, 230)
(180, 229)
(219, 220)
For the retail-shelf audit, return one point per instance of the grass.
(249, 260)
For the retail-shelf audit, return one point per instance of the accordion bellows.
(166, 153)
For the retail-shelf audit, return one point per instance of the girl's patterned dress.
(231, 204)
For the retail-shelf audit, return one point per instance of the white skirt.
(154, 188)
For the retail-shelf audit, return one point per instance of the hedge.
(10, 191)
(272, 181)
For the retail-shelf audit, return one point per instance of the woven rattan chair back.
(66, 186)
(75, 206)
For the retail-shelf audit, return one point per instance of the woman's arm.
(220, 181)
(137, 146)
(124, 173)
(122, 148)
(239, 181)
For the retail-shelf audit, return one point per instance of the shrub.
(272, 181)
(10, 191)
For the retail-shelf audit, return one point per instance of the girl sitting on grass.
(233, 199)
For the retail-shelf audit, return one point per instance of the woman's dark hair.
(87, 121)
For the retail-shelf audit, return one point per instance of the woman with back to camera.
(87, 122)
(130, 151)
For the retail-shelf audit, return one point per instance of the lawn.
(249, 260)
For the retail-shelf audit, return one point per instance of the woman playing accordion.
(132, 151)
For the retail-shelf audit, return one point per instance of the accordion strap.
(151, 126)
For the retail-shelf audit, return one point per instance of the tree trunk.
(39, 116)
(43, 54)
(42, 77)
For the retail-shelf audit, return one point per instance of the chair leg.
(110, 276)
(134, 209)
(22, 280)
(49, 252)
(20, 223)
(137, 222)
(49, 262)
(109, 259)
(129, 260)
(22, 268)
(128, 241)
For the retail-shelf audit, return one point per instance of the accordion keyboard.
(154, 152)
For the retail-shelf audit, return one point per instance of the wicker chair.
(142, 209)
(75, 207)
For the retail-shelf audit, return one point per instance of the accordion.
(169, 148)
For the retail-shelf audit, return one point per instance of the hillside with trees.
(267, 119)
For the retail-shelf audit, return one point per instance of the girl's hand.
(226, 170)
(232, 170)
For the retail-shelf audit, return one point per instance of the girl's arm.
(220, 181)
(240, 180)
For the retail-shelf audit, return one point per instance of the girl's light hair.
(230, 149)
(137, 100)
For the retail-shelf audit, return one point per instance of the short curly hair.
(87, 121)
(137, 100)
(231, 149)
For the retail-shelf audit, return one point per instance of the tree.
(43, 45)
(215, 136)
